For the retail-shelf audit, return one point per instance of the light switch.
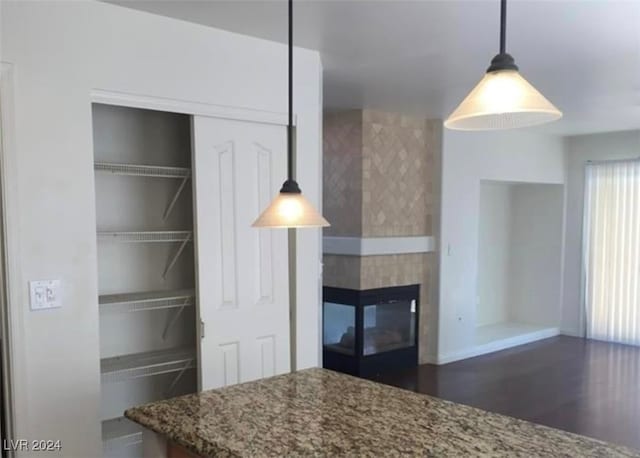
(44, 294)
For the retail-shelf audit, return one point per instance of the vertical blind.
(612, 251)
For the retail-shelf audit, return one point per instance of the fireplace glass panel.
(389, 326)
(339, 328)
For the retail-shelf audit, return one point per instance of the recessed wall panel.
(230, 363)
(226, 170)
(267, 349)
(264, 265)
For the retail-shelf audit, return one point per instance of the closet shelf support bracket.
(175, 257)
(172, 204)
(172, 320)
(179, 375)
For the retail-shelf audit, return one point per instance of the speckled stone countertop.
(323, 413)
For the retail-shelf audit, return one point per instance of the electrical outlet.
(44, 294)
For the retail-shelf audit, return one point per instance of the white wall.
(535, 263)
(614, 145)
(494, 248)
(59, 52)
(519, 156)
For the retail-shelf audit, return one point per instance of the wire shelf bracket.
(173, 201)
(175, 257)
(177, 378)
(171, 321)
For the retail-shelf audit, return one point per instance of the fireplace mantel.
(374, 246)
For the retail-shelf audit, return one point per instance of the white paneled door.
(243, 289)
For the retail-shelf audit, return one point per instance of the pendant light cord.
(290, 124)
(290, 186)
(502, 61)
(503, 26)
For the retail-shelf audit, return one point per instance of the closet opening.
(146, 266)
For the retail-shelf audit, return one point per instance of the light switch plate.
(44, 294)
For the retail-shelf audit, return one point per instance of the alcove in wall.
(519, 264)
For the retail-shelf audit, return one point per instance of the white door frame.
(11, 313)
(191, 108)
(187, 107)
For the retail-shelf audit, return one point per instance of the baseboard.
(497, 345)
(571, 333)
(430, 358)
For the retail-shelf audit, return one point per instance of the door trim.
(187, 107)
(11, 317)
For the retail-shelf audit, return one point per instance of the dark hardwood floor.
(578, 385)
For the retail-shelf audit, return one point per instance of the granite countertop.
(320, 412)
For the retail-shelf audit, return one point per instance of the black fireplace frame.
(360, 364)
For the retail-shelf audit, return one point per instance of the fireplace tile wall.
(342, 177)
(382, 179)
(397, 174)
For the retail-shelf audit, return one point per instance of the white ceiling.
(422, 57)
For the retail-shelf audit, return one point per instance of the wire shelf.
(147, 364)
(145, 236)
(142, 170)
(140, 302)
(120, 432)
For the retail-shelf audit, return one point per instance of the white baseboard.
(571, 333)
(430, 358)
(497, 345)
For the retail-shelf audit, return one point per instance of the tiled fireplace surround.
(382, 180)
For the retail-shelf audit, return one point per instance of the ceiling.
(422, 57)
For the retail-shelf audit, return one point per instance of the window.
(612, 251)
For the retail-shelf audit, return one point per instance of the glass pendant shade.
(290, 210)
(502, 99)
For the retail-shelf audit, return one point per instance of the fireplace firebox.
(372, 331)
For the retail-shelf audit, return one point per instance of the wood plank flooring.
(578, 385)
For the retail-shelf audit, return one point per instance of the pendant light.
(290, 208)
(502, 99)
